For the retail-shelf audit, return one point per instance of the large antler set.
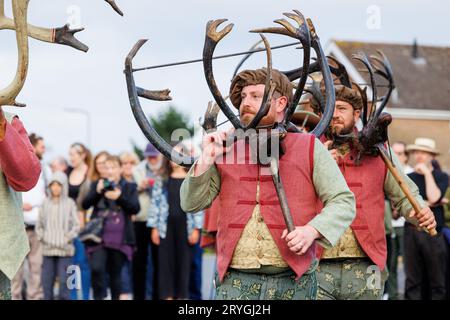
(307, 36)
(305, 33)
(375, 121)
(373, 135)
(63, 35)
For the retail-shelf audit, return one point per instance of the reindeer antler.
(134, 93)
(383, 68)
(63, 35)
(9, 94)
(210, 121)
(113, 4)
(362, 57)
(301, 33)
(307, 35)
(212, 38)
(248, 55)
(375, 124)
(268, 90)
(340, 72)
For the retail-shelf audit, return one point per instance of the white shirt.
(35, 197)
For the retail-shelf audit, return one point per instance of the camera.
(108, 185)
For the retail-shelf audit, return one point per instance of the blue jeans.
(127, 276)
(80, 259)
(195, 279)
(53, 267)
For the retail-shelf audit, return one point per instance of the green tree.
(138, 150)
(169, 120)
(165, 122)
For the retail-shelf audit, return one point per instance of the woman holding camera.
(114, 200)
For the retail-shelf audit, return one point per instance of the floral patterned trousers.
(239, 285)
(350, 279)
(5, 287)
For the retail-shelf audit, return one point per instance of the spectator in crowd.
(32, 201)
(426, 256)
(98, 170)
(129, 161)
(59, 164)
(80, 159)
(114, 200)
(144, 260)
(174, 232)
(57, 227)
(446, 232)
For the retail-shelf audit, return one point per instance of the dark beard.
(265, 121)
(344, 130)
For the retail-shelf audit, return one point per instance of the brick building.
(420, 105)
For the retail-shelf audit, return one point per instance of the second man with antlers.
(356, 267)
(257, 257)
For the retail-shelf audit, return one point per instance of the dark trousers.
(447, 286)
(104, 261)
(425, 264)
(390, 286)
(53, 267)
(395, 248)
(174, 261)
(195, 279)
(140, 259)
(152, 273)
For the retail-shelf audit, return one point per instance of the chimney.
(416, 58)
(415, 50)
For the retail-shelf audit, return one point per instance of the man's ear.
(282, 103)
(357, 114)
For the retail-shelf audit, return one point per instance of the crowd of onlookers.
(425, 259)
(109, 226)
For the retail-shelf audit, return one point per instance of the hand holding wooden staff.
(424, 215)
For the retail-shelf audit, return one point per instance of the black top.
(441, 179)
(173, 187)
(74, 190)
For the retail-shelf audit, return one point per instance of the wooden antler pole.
(403, 185)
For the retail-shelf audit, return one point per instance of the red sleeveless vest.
(366, 181)
(238, 199)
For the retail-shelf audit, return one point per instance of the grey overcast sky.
(61, 78)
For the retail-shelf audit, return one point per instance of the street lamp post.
(88, 122)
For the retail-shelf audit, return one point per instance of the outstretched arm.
(18, 162)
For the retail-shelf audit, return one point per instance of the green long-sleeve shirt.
(393, 191)
(198, 193)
